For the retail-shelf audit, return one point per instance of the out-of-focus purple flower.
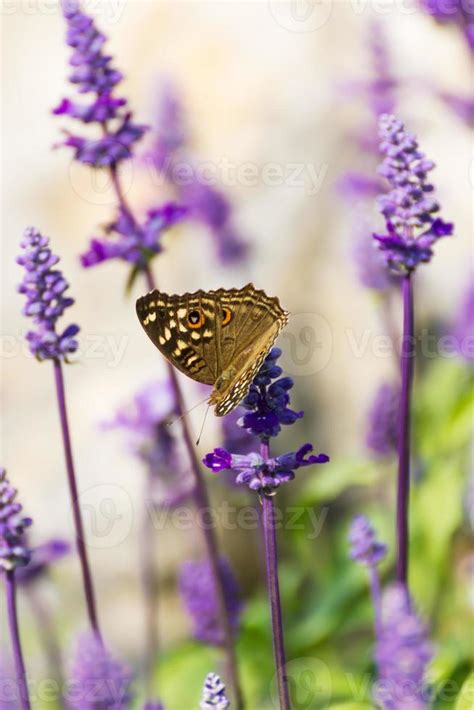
(370, 263)
(459, 13)
(92, 73)
(213, 694)
(45, 288)
(205, 203)
(464, 326)
(402, 654)
(197, 588)
(261, 474)
(409, 207)
(42, 557)
(131, 242)
(462, 106)
(97, 679)
(364, 547)
(267, 401)
(382, 424)
(9, 691)
(146, 422)
(13, 549)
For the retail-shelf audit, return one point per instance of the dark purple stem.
(200, 494)
(271, 559)
(71, 477)
(15, 638)
(376, 599)
(407, 366)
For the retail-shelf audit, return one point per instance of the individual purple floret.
(146, 423)
(213, 694)
(402, 654)
(364, 547)
(13, 548)
(259, 474)
(197, 588)
(97, 679)
(383, 421)
(459, 13)
(132, 242)
(42, 557)
(45, 288)
(267, 400)
(464, 326)
(206, 204)
(93, 74)
(409, 207)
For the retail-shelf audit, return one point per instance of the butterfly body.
(219, 338)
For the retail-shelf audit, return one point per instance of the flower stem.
(71, 477)
(271, 560)
(15, 639)
(407, 367)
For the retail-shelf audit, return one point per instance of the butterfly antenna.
(184, 414)
(202, 427)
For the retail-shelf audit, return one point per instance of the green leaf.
(465, 700)
(334, 478)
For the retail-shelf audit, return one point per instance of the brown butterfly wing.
(164, 319)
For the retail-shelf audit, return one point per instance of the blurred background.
(277, 106)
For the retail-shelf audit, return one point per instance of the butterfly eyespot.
(226, 315)
(195, 318)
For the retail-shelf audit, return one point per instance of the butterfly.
(219, 338)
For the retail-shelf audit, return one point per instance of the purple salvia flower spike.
(409, 207)
(365, 549)
(44, 287)
(198, 593)
(382, 425)
(213, 694)
(98, 680)
(14, 554)
(402, 654)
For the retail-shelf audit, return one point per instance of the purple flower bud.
(402, 654)
(13, 550)
(213, 694)
(408, 207)
(364, 547)
(197, 588)
(97, 679)
(44, 288)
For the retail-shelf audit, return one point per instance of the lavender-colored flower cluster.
(205, 203)
(45, 288)
(268, 401)
(97, 679)
(402, 654)
(409, 207)
(93, 73)
(198, 592)
(263, 474)
(213, 694)
(383, 421)
(13, 549)
(364, 546)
